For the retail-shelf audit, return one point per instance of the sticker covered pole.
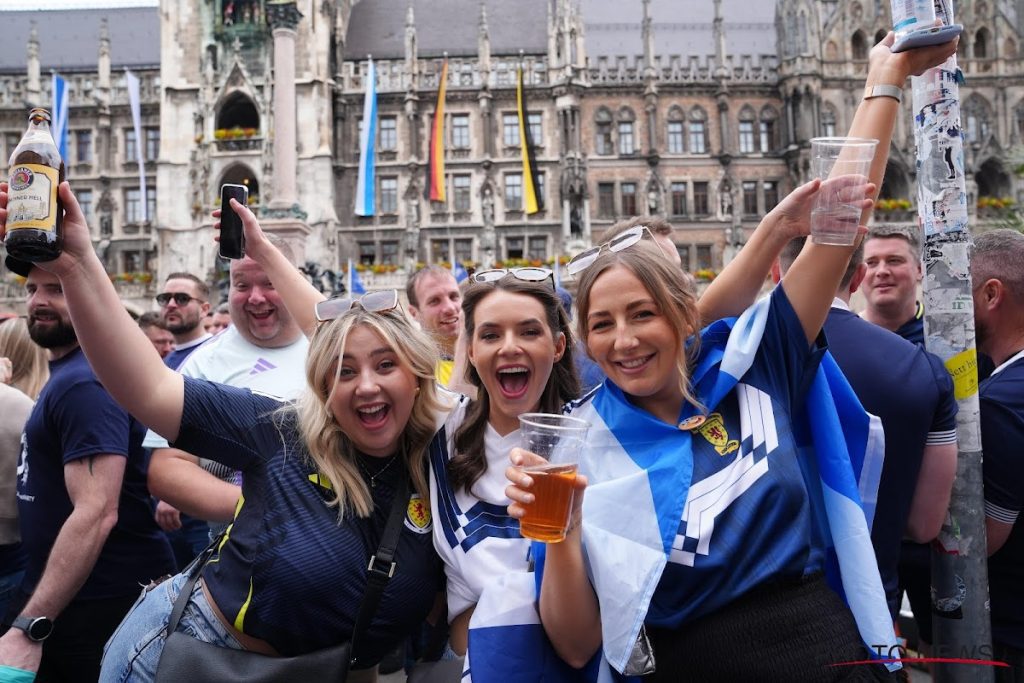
(961, 627)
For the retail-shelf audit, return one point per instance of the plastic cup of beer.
(559, 440)
(842, 164)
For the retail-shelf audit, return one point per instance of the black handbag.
(185, 658)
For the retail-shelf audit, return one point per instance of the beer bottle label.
(32, 197)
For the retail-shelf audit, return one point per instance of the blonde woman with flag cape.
(723, 526)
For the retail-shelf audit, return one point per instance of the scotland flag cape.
(626, 553)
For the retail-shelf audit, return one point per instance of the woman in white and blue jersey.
(519, 349)
(705, 517)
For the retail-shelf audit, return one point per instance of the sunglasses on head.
(527, 274)
(625, 240)
(180, 298)
(373, 302)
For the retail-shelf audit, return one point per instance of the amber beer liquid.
(547, 518)
(34, 211)
(559, 440)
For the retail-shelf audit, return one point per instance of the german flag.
(434, 190)
(531, 186)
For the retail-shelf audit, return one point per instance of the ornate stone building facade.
(697, 111)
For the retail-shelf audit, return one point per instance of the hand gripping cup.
(559, 440)
(843, 165)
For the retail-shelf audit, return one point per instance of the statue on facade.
(725, 199)
(487, 206)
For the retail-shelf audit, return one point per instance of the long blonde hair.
(664, 281)
(30, 370)
(330, 449)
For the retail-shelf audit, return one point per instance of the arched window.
(627, 131)
(791, 34)
(675, 134)
(698, 131)
(768, 130)
(238, 111)
(746, 130)
(804, 44)
(981, 44)
(977, 117)
(603, 143)
(828, 121)
(879, 36)
(859, 45)
(241, 174)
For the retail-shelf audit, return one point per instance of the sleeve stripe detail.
(1000, 514)
(939, 438)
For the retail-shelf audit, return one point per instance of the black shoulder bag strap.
(380, 570)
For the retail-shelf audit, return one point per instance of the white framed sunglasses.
(625, 240)
(526, 274)
(374, 302)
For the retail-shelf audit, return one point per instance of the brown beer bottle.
(34, 211)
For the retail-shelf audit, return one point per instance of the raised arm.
(118, 351)
(298, 294)
(740, 282)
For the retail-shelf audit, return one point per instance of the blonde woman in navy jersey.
(319, 476)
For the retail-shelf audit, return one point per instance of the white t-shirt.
(473, 534)
(231, 359)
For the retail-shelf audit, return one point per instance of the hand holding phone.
(924, 37)
(232, 236)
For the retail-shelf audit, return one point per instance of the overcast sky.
(72, 4)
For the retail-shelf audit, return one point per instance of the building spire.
(410, 46)
(648, 38)
(483, 41)
(719, 35)
(34, 92)
(103, 63)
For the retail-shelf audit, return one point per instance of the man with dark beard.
(184, 304)
(997, 275)
(84, 512)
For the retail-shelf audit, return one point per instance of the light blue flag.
(60, 116)
(354, 284)
(367, 147)
(459, 272)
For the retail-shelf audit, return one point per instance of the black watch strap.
(37, 629)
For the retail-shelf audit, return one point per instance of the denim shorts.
(133, 652)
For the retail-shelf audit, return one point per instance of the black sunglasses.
(180, 298)
(526, 274)
(374, 302)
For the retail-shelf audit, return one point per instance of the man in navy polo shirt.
(997, 272)
(912, 393)
(84, 512)
(892, 259)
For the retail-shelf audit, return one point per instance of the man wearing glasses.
(183, 305)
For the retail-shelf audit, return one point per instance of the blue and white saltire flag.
(557, 274)
(365, 205)
(135, 104)
(507, 643)
(628, 553)
(459, 272)
(354, 284)
(60, 116)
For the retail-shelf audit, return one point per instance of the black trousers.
(796, 630)
(74, 652)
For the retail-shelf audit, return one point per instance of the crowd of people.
(245, 463)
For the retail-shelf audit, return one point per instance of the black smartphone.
(232, 237)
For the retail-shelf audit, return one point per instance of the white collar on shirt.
(1015, 357)
(839, 303)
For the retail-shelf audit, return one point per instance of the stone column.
(283, 18)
